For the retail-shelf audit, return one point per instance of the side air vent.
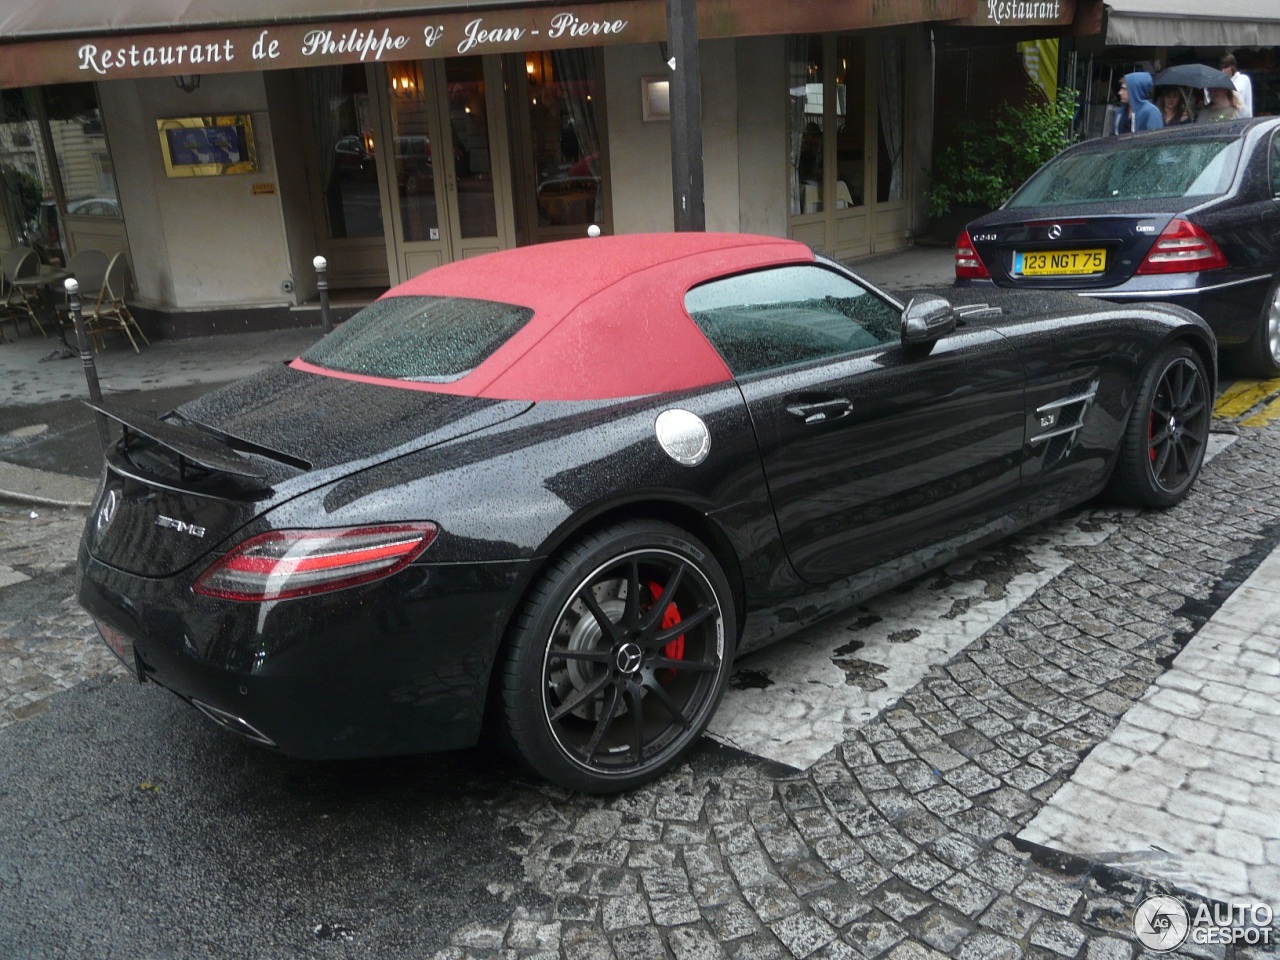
(1060, 421)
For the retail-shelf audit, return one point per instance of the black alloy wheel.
(1164, 443)
(619, 658)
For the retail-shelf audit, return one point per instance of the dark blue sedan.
(1188, 215)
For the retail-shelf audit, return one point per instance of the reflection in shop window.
(805, 122)
(25, 182)
(565, 137)
(28, 176)
(342, 120)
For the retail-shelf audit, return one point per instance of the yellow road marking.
(1244, 395)
(1264, 416)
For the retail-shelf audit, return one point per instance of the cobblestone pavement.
(902, 841)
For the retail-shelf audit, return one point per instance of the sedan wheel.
(619, 658)
(1165, 440)
(1261, 357)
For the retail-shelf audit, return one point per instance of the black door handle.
(821, 412)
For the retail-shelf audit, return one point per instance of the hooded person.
(1143, 114)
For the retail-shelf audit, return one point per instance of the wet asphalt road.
(132, 828)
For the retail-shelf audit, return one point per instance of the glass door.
(847, 159)
(443, 177)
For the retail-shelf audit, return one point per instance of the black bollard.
(322, 285)
(86, 357)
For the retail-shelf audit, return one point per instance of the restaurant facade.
(222, 154)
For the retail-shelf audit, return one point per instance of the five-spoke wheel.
(619, 658)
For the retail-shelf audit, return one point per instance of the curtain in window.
(890, 104)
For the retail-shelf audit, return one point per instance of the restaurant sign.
(1021, 13)
(503, 30)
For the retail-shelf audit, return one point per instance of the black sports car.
(1187, 215)
(562, 487)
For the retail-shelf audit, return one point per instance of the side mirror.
(925, 320)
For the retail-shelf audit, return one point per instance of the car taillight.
(297, 563)
(969, 265)
(1182, 247)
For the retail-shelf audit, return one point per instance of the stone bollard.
(322, 285)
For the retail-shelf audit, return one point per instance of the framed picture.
(208, 146)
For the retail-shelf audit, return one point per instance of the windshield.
(1134, 171)
(426, 339)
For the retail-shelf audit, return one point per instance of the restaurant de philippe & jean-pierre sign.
(423, 36)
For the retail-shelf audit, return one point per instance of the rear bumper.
(394, 667)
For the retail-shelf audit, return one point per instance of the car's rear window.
(1134, 170)
(425, 339)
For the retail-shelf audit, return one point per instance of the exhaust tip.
(237, 725)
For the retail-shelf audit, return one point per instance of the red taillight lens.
(969, 265)
(1182, 247)
(298, 563)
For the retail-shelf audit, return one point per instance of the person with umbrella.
(1175, 105)
(1223, 102)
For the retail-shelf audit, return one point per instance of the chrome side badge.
(683, 436)
(180, 525)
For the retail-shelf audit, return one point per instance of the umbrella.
(1193, 75)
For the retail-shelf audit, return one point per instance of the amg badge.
(180, 525)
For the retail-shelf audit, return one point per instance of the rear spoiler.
(191, 444)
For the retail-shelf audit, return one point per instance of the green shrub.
(998, 153)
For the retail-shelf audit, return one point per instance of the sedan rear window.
(1134, 170)
(424, 339)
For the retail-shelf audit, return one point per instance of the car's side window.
(774, 318)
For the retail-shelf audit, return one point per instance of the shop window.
(342, 121)
(826, 123)
(40, 190)
(560, 159)
(79, 143)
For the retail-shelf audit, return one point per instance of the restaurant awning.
(58, 41)
(1193, 23)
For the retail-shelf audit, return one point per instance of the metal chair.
(89, 267)
(20, 289)
(108, 311)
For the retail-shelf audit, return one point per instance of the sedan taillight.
(1182, 247)
(969, 265)
(297, 563)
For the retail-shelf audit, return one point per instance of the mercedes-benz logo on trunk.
(1055, 231)
(107, 512)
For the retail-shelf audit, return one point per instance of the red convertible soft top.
(608, 314)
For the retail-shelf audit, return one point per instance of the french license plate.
(1059, 263)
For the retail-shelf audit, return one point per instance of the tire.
(1261, 356)
(1164, 441)
(601, 693)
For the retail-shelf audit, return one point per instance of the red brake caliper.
(670, 617)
